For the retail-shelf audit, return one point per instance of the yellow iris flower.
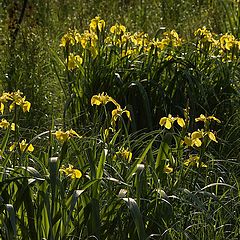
(194, 161)
(70, 171)
(124, 153)
(102, 99)
(203, 118)
(167, 122)
(116, 113)
(64, 136)
(23, 146)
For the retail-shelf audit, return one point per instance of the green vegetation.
(119, 119)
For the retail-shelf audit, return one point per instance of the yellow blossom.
(203, 118)
(118, 29)
(23, 146)
(13, 126)
(181, 122)
(12, 147)
(167, 169)
(97, 23)
(102, 99)
(124, 153)
(67, 39)
(194, 161)
(227, 41)
(26, 106)
(17, 99)
(1, 107)
(73, 61)
(70, 171)
(116, 113)
(193, 139)
(4, 124)
(5, 97)
(167, 122)
(64, 136)
(212, 136)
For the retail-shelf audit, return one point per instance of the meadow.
(119, 119)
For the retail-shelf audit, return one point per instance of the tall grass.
(155, 192)
(141, 162)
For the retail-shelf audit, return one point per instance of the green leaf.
(137, 217)
(139, 160)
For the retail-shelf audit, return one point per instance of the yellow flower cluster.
(70, 171)
(15, 98)
(132, 44)
(88, 40)
(5, 124)
(195, 138)
(64, 136)
(224, 46)
(103, 99)
(129, 44)
(167, 122)
(23, 146)
(171, 39)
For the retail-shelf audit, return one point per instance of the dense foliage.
(119, 119)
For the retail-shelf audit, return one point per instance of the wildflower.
(26, 106)
(181, 122)
(73, 61)
(5, 97)
(116, 113)
(64, 136)
(203, 118)
(167, 122)
(227, 41)
(4, 124)
(13, 126)
(17, 99)
(12, 147)
(118, 29)
(107, 132)
(167, 169)
(204, 34)
(102, 99)
(212, 136)
(67, 39)
(124, 153)
(194, 161)
(23, 146)
(193, 139)
(97, 23)
(88, 39)
(70, 171)
(1, 107)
